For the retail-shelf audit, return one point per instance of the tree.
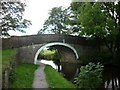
(101, 20)
(74, 22)
(58, 21)
(11, 17)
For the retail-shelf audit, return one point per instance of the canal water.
(111, 75)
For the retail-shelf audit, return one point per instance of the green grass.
(7, 57)
(0, 56)
(56, 80)
(24, 76)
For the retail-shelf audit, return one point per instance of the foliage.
(47, 51)
(12, 17)
(100, 20)
(90, 76)
(24, 76)
(56, 81)
(49, 54)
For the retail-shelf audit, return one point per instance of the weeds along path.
(40, 78)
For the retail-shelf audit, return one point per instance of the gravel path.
(40, 78)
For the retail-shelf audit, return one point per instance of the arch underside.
(66, 50)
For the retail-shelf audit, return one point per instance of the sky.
(37, 12)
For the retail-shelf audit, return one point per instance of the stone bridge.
(71, 48)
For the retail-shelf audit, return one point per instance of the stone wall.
(86, 49)
(27, 53)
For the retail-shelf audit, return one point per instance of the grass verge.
(24, 76)
(7, 57)
(55, 80)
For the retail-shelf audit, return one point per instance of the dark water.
(111, 75)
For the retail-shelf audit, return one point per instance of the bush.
(90, 76)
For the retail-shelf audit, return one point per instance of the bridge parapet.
(19, 41)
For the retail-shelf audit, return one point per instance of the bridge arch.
(53, 44)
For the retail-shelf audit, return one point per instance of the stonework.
(29, 45)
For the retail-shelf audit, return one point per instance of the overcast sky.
(37, 12)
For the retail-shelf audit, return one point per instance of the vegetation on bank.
(7, 57)
(90, 76)
(55, 79)
(24, 76)
(0, 56)
(49, 54)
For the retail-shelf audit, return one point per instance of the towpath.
(40, 78)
